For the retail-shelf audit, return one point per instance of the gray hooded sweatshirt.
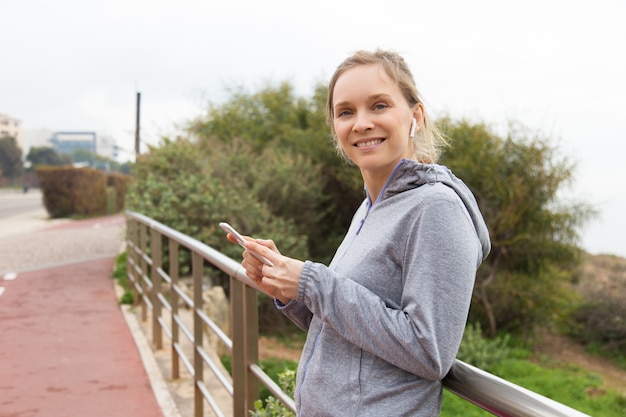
(385, 319)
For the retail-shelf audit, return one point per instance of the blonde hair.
(429, 140)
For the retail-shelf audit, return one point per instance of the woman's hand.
(279, 281)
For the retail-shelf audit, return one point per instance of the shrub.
(120, 275)
(482, 352)
(119, 182)
(71, 191)
(601, 322)
(272, 407)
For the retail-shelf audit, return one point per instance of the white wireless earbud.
(413, 127)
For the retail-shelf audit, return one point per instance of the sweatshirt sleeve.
(297, 312)
(421, 335)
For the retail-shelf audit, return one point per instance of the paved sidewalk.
(66, 346)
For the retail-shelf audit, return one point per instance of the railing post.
(131, 256)
(251, 343)
(245, 333)
(198, 363)
(238, 355)
(173, 270)
(144, 266)
(156, 254)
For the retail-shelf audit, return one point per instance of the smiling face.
(372, 120)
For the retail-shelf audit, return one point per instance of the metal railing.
(145, 254)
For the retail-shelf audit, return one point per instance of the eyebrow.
(372, 97)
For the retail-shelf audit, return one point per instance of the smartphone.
(229, 229)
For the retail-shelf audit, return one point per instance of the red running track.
(65, 347)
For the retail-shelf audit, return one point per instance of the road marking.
(2, 290)
(108, 223)
(10, 276)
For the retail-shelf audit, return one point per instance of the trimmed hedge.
(119, 182)
(71, 191)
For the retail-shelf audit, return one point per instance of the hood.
(410, 174)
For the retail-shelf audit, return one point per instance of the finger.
(269, 244)
(252, 270)
(252, 260)
(231, 238)
(262, 250)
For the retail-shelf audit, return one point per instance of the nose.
(362, 123)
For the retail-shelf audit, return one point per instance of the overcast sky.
(558, 67)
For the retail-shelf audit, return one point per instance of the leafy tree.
(534, 254)
(47, 156)
(10, 157)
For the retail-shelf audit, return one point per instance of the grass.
(119, 274)
(571, 385)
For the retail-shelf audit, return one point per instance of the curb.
(157, 382)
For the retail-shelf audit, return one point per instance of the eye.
(343, 113)
(380, 106)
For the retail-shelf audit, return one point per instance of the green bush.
(111, 197)
(119, 182)
(69, 191)
(272, 407)
(481, 352)
(600, 323)
(120, 275)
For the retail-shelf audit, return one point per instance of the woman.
(386, 317)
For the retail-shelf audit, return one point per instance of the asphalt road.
(14, 202)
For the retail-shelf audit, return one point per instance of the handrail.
(489, 392)
(501, 397)
(145, 272)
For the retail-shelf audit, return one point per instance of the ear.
(418, 115)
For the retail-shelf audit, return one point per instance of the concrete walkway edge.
(159, 386)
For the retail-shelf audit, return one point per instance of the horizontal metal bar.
(184, 329)
(501, 397)
(273, 387)
(147, 281)
(186, 363)
(165, 328)
(146, 258)
(164, 302)
(179, 291)
(216, 371)
(146, 299)
(164, 275)
(209, 398)
(216, 329)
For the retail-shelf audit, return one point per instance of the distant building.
(10, 126)
(68, 142)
